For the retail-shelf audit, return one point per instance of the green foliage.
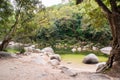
(47, 36)
(5, 10)
(69, 27)
(12, 50)
(6, 18)
(65, 23)
(8, 12)
(27, 12)
(77, 57)
(72, 24)
(61, 28)
(92, 14)
(96, 27)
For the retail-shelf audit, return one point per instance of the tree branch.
(79, 1)
(103, 6)
(113, 5)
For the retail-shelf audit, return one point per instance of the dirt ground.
(24, 69)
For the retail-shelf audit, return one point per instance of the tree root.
(107, 66)
(103, 69)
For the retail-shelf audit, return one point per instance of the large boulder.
(7, 55)
(79, 49)
(55, 56)
(48, 51)
(85, 48)
(4, 54)
(27, 53)
(14, 45)
(106, 50)
(100, 66)
(36, 51)
(73, 50)
(95, 48)
(28, 49)
(90, 59)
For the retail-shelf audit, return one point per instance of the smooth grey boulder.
(55, 56)
(90, 59)
(14, 45)
(28, 49)
(100, 66)
(7, 55)
(48, 51)
(106, 50)
(36, 51)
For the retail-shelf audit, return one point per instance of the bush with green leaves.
(70, 27)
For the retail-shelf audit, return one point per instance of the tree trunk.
(113, 64)
(114, 59)
(10, 34)
(4, 44)
(8, 37)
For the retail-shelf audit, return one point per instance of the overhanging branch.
(78, 1)
(103, 6)
(113, 5)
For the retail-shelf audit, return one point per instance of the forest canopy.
(56, 24)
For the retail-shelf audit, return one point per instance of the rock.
(31, 49)
(79, 49)
(94, 48)
(28, 49)
(84, 48)
(101, 63)
(14, 45)
(32, 46)
(26, 45)
(11, 43)
(36, 51)
(27, 53)
(54, 62)
(55, 56)
(90, 59)
(106, 50)
(100, 66)
(40, 60)
(14, 55)
(5, 54)
(87, 47)
(74, 50)
(68, 71)
(100, 77)
(48, 51)
(45, 57)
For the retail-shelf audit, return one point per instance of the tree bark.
(114, 60)
(10, 34)
(113, 17)
(8, 37)
(113, 63)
